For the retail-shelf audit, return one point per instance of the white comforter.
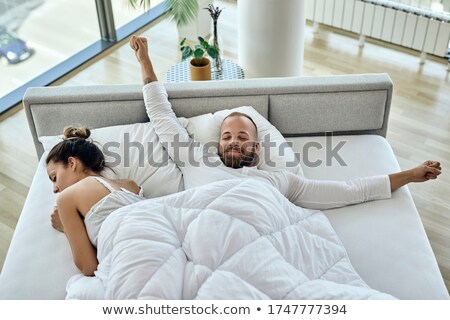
(234, 239)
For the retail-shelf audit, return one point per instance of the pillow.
(276, 154)
(133, 151)
(148, 163)
(203, 128)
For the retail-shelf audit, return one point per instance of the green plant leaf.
(186, 52)
(198, 53)
(203, 43)
(181, 11)
(145, 4)
(212, 51)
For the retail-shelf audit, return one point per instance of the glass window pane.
(124, 12)
(36, 35)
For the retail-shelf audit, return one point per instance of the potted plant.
(199, 65)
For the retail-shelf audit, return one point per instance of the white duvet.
(234, 239)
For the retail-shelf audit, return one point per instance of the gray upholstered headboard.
(301, 106)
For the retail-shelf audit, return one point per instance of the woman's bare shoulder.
(80, 189)
(68, 197)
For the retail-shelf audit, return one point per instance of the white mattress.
(385, 240)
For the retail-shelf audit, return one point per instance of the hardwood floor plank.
(5, 239)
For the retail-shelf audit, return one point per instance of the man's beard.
(246, 158)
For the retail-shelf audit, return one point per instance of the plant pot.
(201, 70)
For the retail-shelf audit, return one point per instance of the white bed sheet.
(387, 245)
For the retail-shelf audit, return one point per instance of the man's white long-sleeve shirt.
(200, 167)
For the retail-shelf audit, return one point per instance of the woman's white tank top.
(102, 209)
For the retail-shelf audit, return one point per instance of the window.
(40, 41)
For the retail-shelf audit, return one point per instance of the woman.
(85, 197)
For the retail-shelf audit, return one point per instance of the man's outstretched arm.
(327, 194)
(426, 171)
(171, 134)
(140, 47)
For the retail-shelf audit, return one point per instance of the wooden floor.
(419, 125)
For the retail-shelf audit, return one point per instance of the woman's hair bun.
(72, 132)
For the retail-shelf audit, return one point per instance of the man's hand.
(56, 221)
(428, 170)
(140, 47)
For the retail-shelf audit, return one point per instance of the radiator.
(389, 21)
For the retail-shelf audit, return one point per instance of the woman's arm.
(84, 253)
(56, 221)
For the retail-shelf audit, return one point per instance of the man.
(238, 154)
(238, 145)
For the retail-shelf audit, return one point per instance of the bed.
(336, 126)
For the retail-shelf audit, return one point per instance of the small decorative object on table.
(215, 39)
(200, 66)
(180, 72)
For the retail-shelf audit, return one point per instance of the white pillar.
(271, 37)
